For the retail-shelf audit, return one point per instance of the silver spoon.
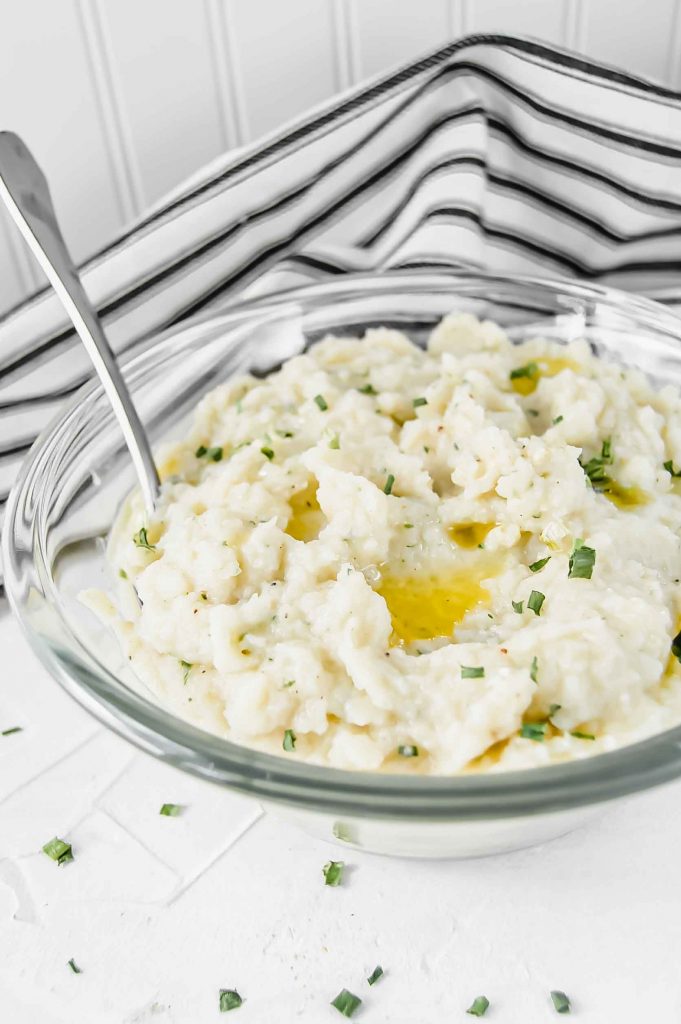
(24, 189)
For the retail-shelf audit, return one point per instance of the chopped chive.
(171, 810)
(346, 1003)
(578, 735)
(334, 442)
(582, 561)
(532, 412)
(517, 607)
(341, 832)
(553, 709)
(595, 467)
(321, 402)
(11, 730)
(268, 453)
(533, 669)
(200, 451)
(186, 667)
(478, 1007)
(214, 454)
(333, 872)
(123, 574)
(229, 999)
(472, 672)
(530, 370)
(289, 743)
(291, 682)
(536, 566)
(375, 975)
(74, 967)
(560, 1002)
(367, 389)
(408, 526)
(669, 466)
(557, 420)
(535, 601)
(142, 541)
(419, 401)
(388, 486)
(284, 433)
(408, 750)
(533, 731)
(58, 850)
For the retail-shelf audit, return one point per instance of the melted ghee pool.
(469, 535)
(424, 606)
(547, 366)
(306, 519)
(625, 497)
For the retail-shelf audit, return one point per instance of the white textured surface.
(120, 101)
(160, 913)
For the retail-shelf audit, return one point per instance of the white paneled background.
(122, 99)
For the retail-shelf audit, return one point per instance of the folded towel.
(494, 153)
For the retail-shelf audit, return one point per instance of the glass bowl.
(78, 473)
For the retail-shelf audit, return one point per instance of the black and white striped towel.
(495, 153)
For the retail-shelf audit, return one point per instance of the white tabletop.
(160, 913)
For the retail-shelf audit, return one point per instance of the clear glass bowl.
(78, 472)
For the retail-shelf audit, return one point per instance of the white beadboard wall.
(122, 99)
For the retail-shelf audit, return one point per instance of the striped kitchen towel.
(494, 153)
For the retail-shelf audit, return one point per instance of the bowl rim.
(546, 789)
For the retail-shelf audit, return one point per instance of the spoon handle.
(24, 189)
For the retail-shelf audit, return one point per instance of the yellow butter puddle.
(469, 535)
(625, 497)
(427, 605)
(544, 366)
(307, 518)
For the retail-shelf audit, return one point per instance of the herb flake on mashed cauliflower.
(385, 558)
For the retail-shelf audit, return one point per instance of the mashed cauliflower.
(384, 558)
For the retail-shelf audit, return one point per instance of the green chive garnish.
(123, 574)
(472, 672)
(582, 561)
(58, 850)
(669, 466)
(408, 750)
(141, 540)
(321, 402)
(11, 730)
(289, 743)
(478, 1007)
(200, 451)
(536, 566)
(582, 735)
(229, 999)
(533, 669)
(346, 1003)
(530, 370)
(419, 401)
(557, 420)
(375, 975)
(535, 601)
(171, 810)
(186, 667)
(561, 1002)
(595, 467)
(553, 709)
(284, 433)
(333, 872)
(367, 389)
(268, 453)
(334, 442)
(533, 731)
(387, 489)
(74, 967)
(517, 607)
